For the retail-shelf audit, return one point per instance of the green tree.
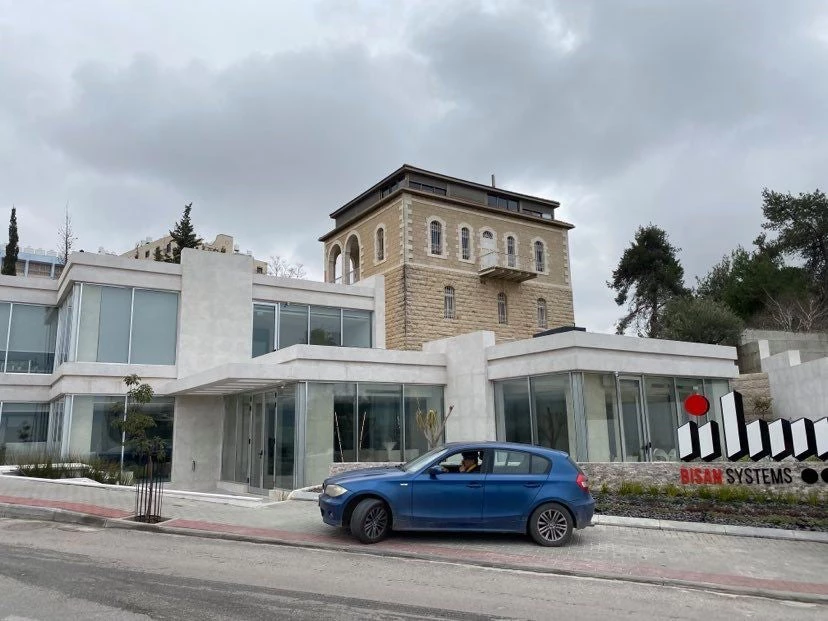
(157, 256)
(136, 425)
(746, 281)
(700, 320)
(12, 248)
(802, 226)
(648, 275)
(184, 235)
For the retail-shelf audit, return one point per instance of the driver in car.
(469, 463)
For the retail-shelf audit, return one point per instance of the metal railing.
(493, 258)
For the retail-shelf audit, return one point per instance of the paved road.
(59, 571)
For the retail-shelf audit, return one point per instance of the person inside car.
(469, 463)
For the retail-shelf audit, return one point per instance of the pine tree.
(12, 249)
(184, 235)
(157, 256)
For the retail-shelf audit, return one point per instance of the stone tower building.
(457, 256)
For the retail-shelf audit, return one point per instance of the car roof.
(517, 446)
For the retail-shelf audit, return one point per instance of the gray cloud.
(628, 112)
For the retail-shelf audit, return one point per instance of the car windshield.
(422, 460)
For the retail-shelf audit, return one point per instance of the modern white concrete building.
(261, 383)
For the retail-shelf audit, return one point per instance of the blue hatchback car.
(468, 486)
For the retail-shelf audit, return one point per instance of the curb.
(71, 517)
(712, 529)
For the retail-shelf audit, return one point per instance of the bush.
(630, 488)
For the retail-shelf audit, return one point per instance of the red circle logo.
(696, 405)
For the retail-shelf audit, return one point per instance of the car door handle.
(531, 485)
(474, 485)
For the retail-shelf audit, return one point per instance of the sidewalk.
(785, 569)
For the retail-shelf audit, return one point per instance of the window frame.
(502, 309)
(434, 225)
(379, 244)
(465, 243)
(542, 314)
(539, 247)
(449, 303)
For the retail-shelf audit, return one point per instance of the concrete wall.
(197, 436)
(801, 390)
(756, 345)
(469, 389)
(609, 353)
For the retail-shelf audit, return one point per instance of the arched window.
(436, 238)
(380, 244)
(488, 235)
(542, 313)
(465, 243)
(540, 259)
(448, 303)
(510, 251)
(501, 308)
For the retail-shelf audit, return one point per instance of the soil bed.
(793, 516)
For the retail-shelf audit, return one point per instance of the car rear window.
(518, 462)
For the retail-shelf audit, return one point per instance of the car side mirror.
(434, 471)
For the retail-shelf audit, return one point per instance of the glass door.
(270, 434)
(257, 443)
(285, 434)
(632, 420)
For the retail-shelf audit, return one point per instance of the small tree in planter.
(136, 425)
(431, 425)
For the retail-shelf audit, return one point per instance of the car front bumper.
(332, 509)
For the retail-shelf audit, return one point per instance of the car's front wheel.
(551, 525)
(371, 521)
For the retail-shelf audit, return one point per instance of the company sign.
(800, 439)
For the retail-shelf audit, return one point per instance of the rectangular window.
(465, 243)
(23, 426)
(662, 416)
(293, 325)
(601, 411)
(554, 415)
(420, 399)
(356, 328)
(93, 429)
(5, 315)
(264, 329)
(31, 338)
(436, 238)
(379, 422)
(325, 326)
(448, 303)
(511, 462)
(124, 325)
(425, 187)
(513, 411)
(154, 327)
(500, 202)
(161, 410)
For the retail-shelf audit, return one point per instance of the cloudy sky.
(270, 115)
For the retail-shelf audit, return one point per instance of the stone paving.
(718, 561)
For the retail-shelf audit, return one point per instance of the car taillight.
(582, 481)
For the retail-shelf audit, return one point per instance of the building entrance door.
(635, 438)
(257, 459)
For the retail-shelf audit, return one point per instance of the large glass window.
(356, 328)
(5, 315)
(325, 326)
(513, 411)
(293, 325)
(154, 327)
(264, 329)
(123, 325)
(661, 415)
(30, 343)
(66, 320)
(93, 429)
(419, 399)
(161, 410)
(24, 427)
(552, 407)
(379, 424)
(601, 409)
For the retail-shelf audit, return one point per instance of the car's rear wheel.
(551, 525)
(371, 521)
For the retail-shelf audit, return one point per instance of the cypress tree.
(184, 235)
(12, 248)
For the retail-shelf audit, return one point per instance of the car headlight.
(334, 490)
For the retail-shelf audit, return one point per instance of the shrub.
(630, 488)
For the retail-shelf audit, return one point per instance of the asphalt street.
(58, 571)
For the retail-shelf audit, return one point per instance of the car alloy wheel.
(551, 525)
(370, 521)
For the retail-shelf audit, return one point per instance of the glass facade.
(24, 427)
(28, 334)
(301, 429)
(125, 325)
(276, 326)
(602, 417)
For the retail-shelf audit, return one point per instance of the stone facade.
(753, 386)
(416, 278)
(612, 474)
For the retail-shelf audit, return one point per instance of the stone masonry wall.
(612, 474)
(753, 386)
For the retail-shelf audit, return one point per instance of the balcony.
(510, 267)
